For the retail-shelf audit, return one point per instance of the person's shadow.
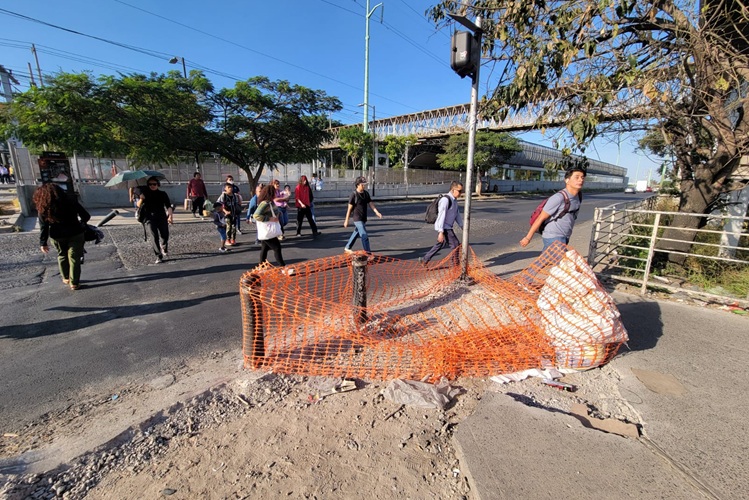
(644, 324)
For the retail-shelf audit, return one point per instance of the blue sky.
(315, 43)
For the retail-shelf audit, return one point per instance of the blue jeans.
(283, 216)
(359, 232)
(549, 241)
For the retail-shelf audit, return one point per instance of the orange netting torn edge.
(380, 318)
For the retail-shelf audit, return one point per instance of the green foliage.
(356, 143)
(395, 148)
(259, 123)
(612, 66)
(492, 149)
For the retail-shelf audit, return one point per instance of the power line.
(321, 75)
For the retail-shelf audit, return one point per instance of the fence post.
(651, 248)
(611, 231)
(253, 338)
(359, 268)
(594, 238)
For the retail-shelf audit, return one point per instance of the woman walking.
(159, 214)
(266, 213)
(61, 218)
(303, 200)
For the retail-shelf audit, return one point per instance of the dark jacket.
(70, 219)
(155, 204)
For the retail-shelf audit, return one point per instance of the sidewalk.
(683, 375)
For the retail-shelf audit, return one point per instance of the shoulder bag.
(269, 230)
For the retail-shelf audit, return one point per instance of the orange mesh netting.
(382, 318)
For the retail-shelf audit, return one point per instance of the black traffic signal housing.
(465, 55)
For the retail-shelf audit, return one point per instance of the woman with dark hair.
(303, 199)
(158, 211)
(266, 213)
(61, 218)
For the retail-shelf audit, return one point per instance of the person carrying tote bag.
(268, 227)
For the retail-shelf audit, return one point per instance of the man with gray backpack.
(447, 214)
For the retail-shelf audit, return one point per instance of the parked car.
(648, 189)
(629, 190)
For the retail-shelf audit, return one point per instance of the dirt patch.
(270, 436)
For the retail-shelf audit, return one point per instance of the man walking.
(447, 215)
(560, 211)
(358, 203)
(197, 193)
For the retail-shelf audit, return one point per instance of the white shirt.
(447, 217)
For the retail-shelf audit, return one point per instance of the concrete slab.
(515, 451)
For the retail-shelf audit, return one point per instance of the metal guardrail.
(626, 237)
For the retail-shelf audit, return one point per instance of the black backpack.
(433, 209)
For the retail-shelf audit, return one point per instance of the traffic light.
(465, 56)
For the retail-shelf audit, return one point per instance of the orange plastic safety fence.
(380, 318)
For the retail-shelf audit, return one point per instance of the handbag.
(269, 230)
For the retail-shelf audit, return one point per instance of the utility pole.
(364, 165)
(38, 68)
(31, 75)
(466, 61)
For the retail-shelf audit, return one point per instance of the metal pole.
(184, 68)
(366, 76)
(651, 250)
(374, 152)
(405, 168)
(38, 68)
(469, 163)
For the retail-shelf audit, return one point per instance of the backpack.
(564, 211)
(430, 217)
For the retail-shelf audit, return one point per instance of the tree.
(491, 149)
(395, 148)
(70, 113)
(260, 123)
(356, 143)
(157, 118)
(610, 65)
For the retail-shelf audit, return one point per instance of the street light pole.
(175, 60)
(366, 72)
(371, 172)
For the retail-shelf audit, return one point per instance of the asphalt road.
(134, 320)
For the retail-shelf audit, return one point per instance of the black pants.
(197, 205)
(275, 245)
(300, 214)
(159, 227)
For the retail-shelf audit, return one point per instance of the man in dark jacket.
(159, 214)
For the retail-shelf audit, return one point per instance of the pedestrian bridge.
(435, 124)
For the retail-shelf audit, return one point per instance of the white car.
(629, 190)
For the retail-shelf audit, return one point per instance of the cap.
(360, 180)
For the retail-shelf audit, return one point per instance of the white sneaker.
(222, 250)
(280, 238)
(289, 272)
(347, 250)
(158, 260)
